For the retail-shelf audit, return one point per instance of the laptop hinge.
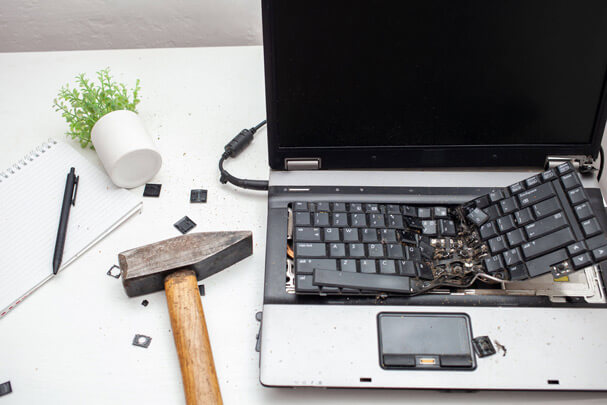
(583, 164)
(302, 164)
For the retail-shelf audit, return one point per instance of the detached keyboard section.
(540, 225)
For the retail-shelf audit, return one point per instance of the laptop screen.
(435, 73)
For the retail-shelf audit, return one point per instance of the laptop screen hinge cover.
(302, 164)
(583, 164)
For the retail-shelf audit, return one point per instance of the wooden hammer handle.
(192, 339)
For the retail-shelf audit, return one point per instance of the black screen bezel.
(391, 157)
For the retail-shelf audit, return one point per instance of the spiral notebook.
(31, 193)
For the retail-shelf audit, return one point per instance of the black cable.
(602, 155)
(233, 149)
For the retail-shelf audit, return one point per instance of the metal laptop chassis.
(545, 342)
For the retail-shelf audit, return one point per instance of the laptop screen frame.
(403, 157)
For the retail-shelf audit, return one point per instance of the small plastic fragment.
(114, 271)
(142, 341)
(5, 388)
(184, 225)
(201, 289)
(198, 196)
(483, 346)
(152, 190)
(145, 303)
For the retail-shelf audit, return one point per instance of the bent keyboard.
(543, 224)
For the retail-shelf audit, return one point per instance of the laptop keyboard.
(540, 225)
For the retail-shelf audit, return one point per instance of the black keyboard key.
(387, 235)
(337, 250)
(542, 264)
(440, 212)
(430, 227)
(509, 205)
(409, 211)
(591, 227)
(300, 206)
(426, 250)
(356, 249)
(506, 223)
(302, 218)
(546, 207)
(340, 219)
(424, 271)
(306, 266)
(564, 168)
(393, 209)
(517, 188)
(424, 212)
(407, 268)
(369, 234)
(347, 265)
(321, 219)
(488, 230)
(482, 202)
(358, 220)
(323, 206)
(307, 234)
(512, 257)
(497, 245)
(516, 237)
(387, 267)
(536, 195)
(339, 207)
(375, 250)
(377, 221)
(546, 225)
(414, 223)
(493, 212)
(446, 227)
(548, 175)
(395, 221)
(413, 253)
(494, 264)
(350, 235)
(596, 241)
(518, 272)
(577, 248)
(547, 244)
(303, 284)
(356, 207)
(532, 181)
(374, 282)
(496, 195)
(583, 211)
(577, 195)
(570, 180)
(395, 251)
(410, 238)
(367, 266)
(478, 216)
(523, 217)
(310, 249)
(331, 234)
(581, 261)
(600, 253)
(372, 208)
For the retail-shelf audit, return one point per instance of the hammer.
(176, 265)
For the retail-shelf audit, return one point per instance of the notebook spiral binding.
(29, 157)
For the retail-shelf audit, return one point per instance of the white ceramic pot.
(126, 150)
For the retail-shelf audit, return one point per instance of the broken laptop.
(434, 214)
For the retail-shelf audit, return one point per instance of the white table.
(70, 342)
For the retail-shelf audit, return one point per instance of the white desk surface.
(70, 342)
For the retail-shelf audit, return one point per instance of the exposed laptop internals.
(434, 215)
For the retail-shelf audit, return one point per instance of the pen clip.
(76, 181)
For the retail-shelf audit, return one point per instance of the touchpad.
(425, 341)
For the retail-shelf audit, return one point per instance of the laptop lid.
(434, 83)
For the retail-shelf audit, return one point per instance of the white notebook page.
(31, 194)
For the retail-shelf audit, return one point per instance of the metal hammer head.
(144, 268)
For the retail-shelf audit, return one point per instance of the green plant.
(83, 106)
